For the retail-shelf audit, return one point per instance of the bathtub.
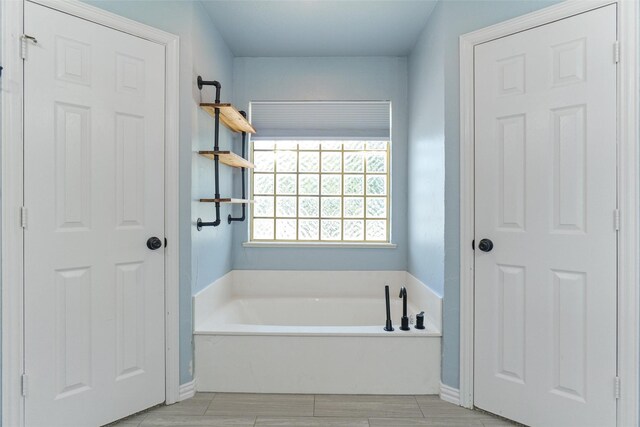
(314, 332)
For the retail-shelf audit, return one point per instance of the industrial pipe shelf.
(229, 116)
(226, 200)
(237, 122)
(228, 158)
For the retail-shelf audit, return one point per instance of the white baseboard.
(449, 394)
(187, 390)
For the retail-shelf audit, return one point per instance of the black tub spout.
(388, 327)
(404, 323)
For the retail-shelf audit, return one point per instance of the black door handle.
(154, 243)
(485, 245)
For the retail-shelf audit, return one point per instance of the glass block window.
(320, 191)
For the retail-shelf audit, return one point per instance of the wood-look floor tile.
(311, 422)
(424, 422)
(130, 421)
(436, 408)
(186, 407)
(160, 420)
(429, 399)
(203, 395)
(499, 422)
(286, 410)
(366, 406)
(279, 405)
(124, 423)
(490, 420)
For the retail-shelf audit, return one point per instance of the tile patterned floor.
(295, 410)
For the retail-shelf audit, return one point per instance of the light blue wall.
(426, 155)
(437, 47)
(204, 256)
(0, 256)
(211, 256)
(313, 79)
(211, 247)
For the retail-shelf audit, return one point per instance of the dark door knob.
(485, 245)
(154, 243)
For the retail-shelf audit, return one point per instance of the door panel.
(94, 190)
(545, 322)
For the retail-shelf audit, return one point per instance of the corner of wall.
(449, 394)
(211, 297)
(426, 164)
(433, 309)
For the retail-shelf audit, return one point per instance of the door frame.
(12, 166)
(628, 199)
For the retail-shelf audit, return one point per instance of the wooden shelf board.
(226, 200)
(229, 116)
(228, 158)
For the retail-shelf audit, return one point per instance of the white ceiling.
(319, 27)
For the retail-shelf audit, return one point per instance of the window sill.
(319, 245)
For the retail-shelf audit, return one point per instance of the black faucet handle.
(420, 320)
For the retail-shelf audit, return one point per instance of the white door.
(94, 192)
(545, 171)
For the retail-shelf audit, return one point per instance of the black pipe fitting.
(230, 218)
(200, 224)
(216, 147)
(214, 83)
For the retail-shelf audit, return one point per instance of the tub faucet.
(388, 327)
(404, 323)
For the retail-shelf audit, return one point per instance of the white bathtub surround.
(211, 299)
(315, 332)
(432, 301)
(318, 364)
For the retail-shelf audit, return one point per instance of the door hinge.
(616, 219)
(24, 385)
(23, 44)
(616, 388)
(616, 52)
(23, 217)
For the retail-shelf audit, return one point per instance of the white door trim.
(628, 199)
(11, 145)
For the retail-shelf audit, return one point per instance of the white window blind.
(344, 120)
